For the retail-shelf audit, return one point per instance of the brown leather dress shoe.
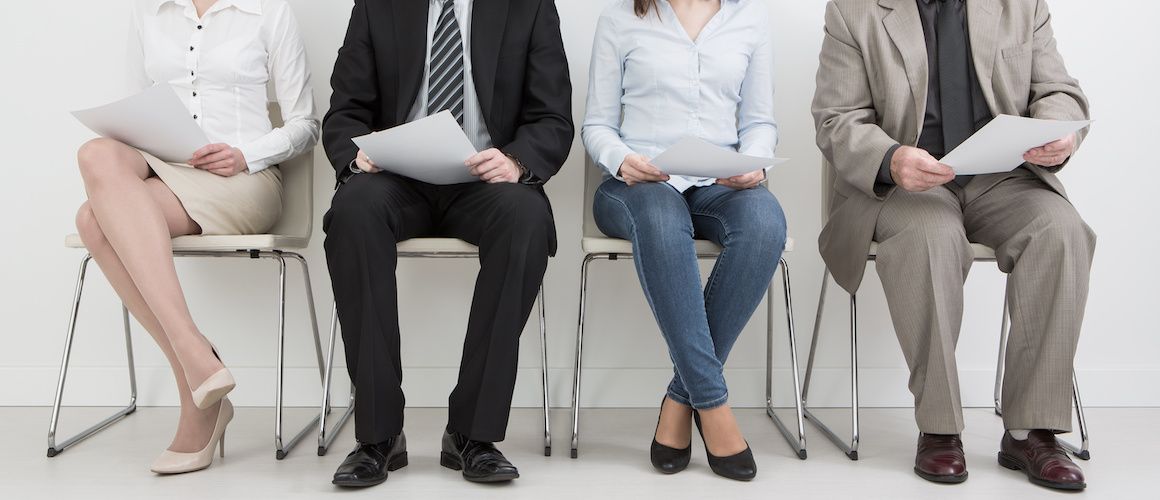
(1042, 459)
(940, 458)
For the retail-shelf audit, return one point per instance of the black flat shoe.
(480, 462)
(740, 467)
(666, 459)
(368, 464)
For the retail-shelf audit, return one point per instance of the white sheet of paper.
(696, 157)
(154, 121)
(430, 149)
(999, 147)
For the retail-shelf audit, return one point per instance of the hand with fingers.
(743, 181)
(636, 169)
(493, 166)
(364, 163)
(915, 170)
(220, 159)
(1052, 154)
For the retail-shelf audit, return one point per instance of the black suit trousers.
(370, 214)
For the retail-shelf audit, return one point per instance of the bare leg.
(195, 426)
(139, 233)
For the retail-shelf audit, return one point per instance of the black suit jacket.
(518, 62)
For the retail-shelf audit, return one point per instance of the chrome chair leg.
(851, 449)
(544, 374)
(55, 449)
(281, 448)
(579, 356)
(798, 443)
(324, 441)
(313, 312)
(1001, 369)
(1081, 452)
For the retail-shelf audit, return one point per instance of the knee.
(87, 226)
(99, 161)
(525, 210)
(1067, 231)
(356, 210)
(763, 230)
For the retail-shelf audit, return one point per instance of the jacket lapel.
(411, 38)
(488, 23)
(905, 29)
(983, 18)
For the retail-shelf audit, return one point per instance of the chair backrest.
(593, 176)
(297, 190)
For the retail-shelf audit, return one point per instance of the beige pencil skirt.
(243, 204)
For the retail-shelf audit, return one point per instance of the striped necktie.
(445, 88)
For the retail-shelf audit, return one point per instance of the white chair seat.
(594, 245)
(981, 252)
(221, 243)
(436, 245)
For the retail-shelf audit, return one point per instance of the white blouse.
(651, 84)
(221, 64)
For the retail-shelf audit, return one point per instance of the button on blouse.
(651, 84)
(221, 65)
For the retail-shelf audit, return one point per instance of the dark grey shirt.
(931, 138)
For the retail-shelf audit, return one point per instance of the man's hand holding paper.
(1052, 154)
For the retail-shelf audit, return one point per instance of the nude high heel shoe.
(172, 462)
(214, 388)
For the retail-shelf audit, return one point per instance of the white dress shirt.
(651, 85)
(221, 65)
(473, 124)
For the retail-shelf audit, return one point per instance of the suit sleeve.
(1055, 95)
(355, 93)
(544, 133)
(843, 108)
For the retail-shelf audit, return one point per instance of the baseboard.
(602, 387)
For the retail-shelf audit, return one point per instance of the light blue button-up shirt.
(651, 85)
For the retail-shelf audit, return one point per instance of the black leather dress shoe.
(480, 462)
(368, 464)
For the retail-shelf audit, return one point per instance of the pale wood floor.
(613, 461)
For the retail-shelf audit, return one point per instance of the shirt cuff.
(265, 152)
(884, 169)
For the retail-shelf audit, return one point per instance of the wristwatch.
(526, 176)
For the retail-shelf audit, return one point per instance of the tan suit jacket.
(872, 94)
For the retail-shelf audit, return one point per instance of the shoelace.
(938, 442)
(483, 453)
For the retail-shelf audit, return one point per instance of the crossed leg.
(126, 226)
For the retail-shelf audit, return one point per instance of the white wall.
(63, 55)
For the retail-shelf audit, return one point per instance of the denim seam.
(711, 286)
(648, 296)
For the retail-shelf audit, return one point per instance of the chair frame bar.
(797, 443)
(851, 448)
(281, 447)
(325, 440)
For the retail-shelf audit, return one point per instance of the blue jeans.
(699, 327)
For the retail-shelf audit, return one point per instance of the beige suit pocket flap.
(1017, 51)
